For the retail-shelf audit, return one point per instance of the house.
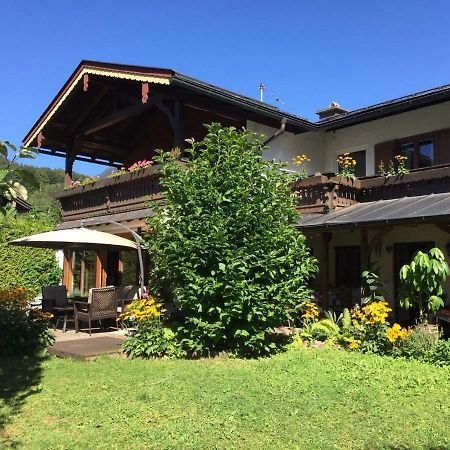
(116, 115)
(19, 204)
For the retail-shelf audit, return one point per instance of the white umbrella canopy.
(75, 238)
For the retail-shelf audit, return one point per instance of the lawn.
(306, 399)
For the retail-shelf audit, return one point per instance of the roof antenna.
(261, 92)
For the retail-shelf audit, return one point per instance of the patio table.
(64, 311)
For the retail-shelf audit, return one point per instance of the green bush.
(152, 340)
(440, 353)
(322, 330)
(417, 345)
(25, 266)
(22, 331)
(224, 248)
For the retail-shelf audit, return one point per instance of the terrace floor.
(83, 347)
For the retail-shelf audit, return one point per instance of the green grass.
(307, 399)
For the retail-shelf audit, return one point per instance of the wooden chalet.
(116, 115)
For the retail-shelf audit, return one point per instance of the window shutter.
(442, 149)
(383, 152)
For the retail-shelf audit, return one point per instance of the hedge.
(26, 266)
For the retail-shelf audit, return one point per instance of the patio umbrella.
(75, 238)
(82, 239)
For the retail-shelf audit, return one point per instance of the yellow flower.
(354, 344)
(396, 333)
(13, 298)
(374, 313)
(140, 310)
(300, 159)
(310, 311)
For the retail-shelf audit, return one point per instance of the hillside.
(50, 181)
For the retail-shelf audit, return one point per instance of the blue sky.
(308, 53)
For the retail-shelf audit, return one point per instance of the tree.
(422, 281)
(224, 249)
(12, 177)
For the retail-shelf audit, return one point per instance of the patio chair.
(54, 300)
(126, 294)
(102, 304)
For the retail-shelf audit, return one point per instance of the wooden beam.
(364, 252)
(104, 147)
(178, 130)
(443, 226)
(377, 238)
(325, 269)
(100, 273)
(68, 170)
(67, 270)
(164, 109)
(87, 110)
(117, 117)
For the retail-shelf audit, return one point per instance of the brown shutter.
(442, 147)
(383, 152)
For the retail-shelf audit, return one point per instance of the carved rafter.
(118, 116)
(88, 110)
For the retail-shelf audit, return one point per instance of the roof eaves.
(389, 107)
(242, 101)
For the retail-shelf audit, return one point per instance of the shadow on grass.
(20, 377)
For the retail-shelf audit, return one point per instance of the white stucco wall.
(289, 145)
(366, 135)
(324, 147)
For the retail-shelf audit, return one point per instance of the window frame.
(338, 281)
(416, 140)
(351, 151)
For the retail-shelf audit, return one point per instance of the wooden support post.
(120, 267)
(325, 269)
(70, 158)
(178, 125)
(100, 273)
(67, 270)
(82, 272)
(364, 252)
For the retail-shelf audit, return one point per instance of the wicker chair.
(54, 300)
(102, 304)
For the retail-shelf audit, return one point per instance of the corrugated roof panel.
(405, 208)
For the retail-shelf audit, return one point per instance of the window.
(83, 270)
(420, 152)
(348, 266)
(360, 158)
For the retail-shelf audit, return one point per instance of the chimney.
(331, 112)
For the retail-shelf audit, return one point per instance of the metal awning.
(431, 207)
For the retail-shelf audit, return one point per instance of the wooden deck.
(83, 347)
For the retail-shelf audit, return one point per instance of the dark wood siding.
(443, 147)
(383, 152)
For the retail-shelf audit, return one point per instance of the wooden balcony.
(121, 194)
(318, 194)
(323, 193)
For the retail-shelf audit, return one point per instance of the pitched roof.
(160, 76)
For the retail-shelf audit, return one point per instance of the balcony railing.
(121, 194)
(317, 194)
(323, 193)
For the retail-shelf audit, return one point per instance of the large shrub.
(22, 331)
(224, 248)
(25, 266)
